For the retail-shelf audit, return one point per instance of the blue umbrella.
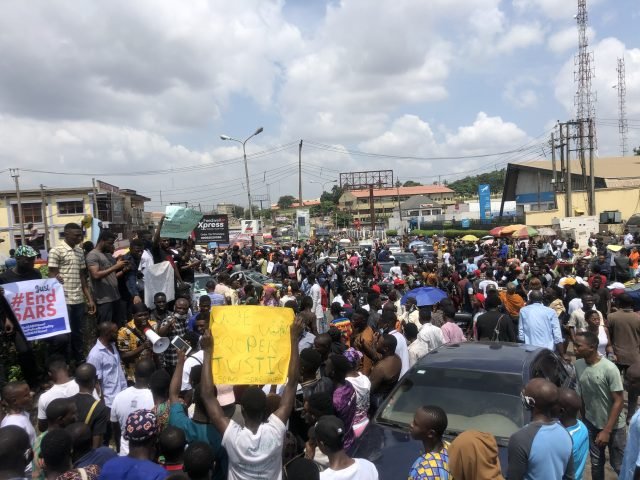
(424, 296)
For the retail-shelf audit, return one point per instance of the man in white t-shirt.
(387, 322)
(396, 271)
(487, 283)
(63, 387)
(329, 433)
(255, 450)
(138, 397)
(16, 398)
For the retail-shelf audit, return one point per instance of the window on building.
(436, 211)
(71, 207)
(31, 213)
(414, 213)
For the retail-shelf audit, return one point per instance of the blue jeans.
(321, 324)
(617, 442)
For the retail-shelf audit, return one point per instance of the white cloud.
(153, 64)
(522, 92)
(606, 53)
(520, 36)
(554, 9)
(567, 39)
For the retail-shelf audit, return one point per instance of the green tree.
(286, 201)
(468, 186)
(333, 196)
(344, 219)
(636, 151)
(411, 183)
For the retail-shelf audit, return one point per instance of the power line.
(346, 151)
(171, 171)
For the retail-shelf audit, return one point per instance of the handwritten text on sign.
(39, 307)
(252, 344)
(179, 222)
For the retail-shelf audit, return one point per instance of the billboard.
(250, 227)
(484, 198)
(302, 221)
(212, 228)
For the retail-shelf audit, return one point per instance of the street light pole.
(246, 166)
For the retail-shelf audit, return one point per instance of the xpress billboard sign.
(213, 228)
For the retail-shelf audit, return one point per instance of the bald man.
(539, 325)
(569, 404)
(543, 448)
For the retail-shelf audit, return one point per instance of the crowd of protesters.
(117, 409)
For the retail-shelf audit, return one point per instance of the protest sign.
(39, 306)
(212, 228)
(252, 344)
(179, 222)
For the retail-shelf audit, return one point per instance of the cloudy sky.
(138, 93)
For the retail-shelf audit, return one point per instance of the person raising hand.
(258, 447)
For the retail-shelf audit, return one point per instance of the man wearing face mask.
(542, 448)
(174, 325)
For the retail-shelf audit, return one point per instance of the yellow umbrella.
(614, 248)
(470, 238)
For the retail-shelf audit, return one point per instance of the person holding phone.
(174, 325)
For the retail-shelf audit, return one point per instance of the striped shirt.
(71, 264)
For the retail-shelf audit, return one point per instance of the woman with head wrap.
(362, 386)
(269, 297)
(473, 455)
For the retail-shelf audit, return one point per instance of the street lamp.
(323, 183)
(246, 168)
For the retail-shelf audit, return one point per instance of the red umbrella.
(496, 231)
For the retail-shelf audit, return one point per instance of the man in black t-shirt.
(495, 325)
(91, 412)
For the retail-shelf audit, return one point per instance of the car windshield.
(258, 277)
(405, 257)
(200, 283)
(474, 400)
(386, 267)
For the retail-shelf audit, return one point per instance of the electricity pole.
(300, 175)
(15, 173)
(45, 219)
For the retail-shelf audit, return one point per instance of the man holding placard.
(23, 271)
(254, 451)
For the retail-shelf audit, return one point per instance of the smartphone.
(181, 344)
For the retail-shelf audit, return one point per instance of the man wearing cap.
(25, 257)
(141, 431)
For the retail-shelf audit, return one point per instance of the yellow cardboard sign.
(252, 344)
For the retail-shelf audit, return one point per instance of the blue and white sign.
(39, 306)
(484, 197)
